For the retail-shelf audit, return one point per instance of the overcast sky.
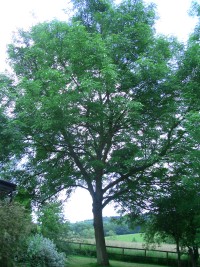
(174, 20)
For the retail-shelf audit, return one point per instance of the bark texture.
(102, 256)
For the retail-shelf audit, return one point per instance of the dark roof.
(7, 186)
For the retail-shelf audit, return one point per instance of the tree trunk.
(102, 256)
(4, 261)
(194, 255)
(178, 253)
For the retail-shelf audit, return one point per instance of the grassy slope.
(77, 261)
(127, 238)
(130, 241)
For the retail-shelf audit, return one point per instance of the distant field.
(131, 241)
(127, 238)
(135, 241)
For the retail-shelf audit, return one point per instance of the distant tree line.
(112, 226)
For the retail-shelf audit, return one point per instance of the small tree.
(177, 215)
(165, 220)
(191, 236)
(52, 223)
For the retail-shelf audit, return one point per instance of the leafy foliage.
(7, 133)
(15, 228)
(52, 224)
(170, 216)
(86, 116)
(43, 253)
(113, 225)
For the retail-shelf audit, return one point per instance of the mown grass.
(77, 261)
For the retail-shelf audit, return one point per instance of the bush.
(42, 252)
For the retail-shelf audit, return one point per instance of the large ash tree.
(98, 104)
(7, 135)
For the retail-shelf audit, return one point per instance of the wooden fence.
(134, 254)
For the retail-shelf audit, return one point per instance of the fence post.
(167, 255)
(145, 252)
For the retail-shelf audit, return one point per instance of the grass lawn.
(77, 261)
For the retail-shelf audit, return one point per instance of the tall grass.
(136, 241)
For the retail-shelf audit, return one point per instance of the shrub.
(42, 252)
